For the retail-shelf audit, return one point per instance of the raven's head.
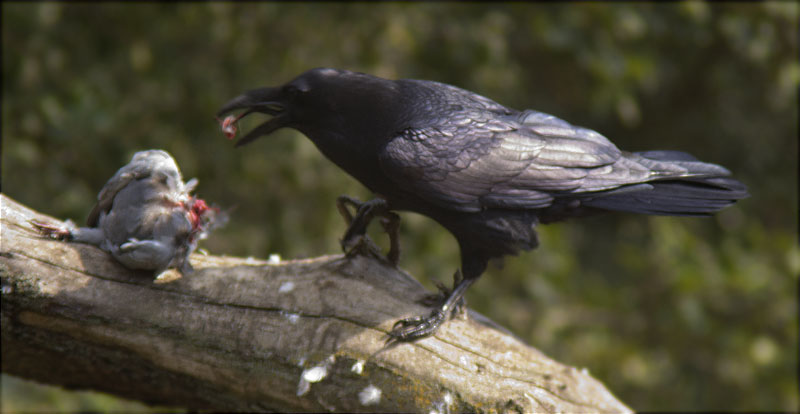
(319, 98)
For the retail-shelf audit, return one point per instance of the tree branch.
(243, 334)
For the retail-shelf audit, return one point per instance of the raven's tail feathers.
(705, 191)
(687, 197)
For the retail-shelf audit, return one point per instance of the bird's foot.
(446, 306)
(355, 240)
(362, 245)
(53, 231)
(410, 329)
(343, 204)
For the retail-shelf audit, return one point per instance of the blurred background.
(677, 314)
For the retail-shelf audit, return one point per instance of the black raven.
(487, 173)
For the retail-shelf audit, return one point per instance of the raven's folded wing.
(472, 162)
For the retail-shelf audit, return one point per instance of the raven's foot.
(53, 231)
(410, 329)
(362, 245)
(355, 240)
(449, 303)
(355, 244)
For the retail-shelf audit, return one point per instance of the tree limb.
(243, 334)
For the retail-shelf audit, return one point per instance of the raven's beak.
(263, 100)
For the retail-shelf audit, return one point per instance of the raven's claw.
(361, 245)
(355, 240)
(417, 327)
(448, 303)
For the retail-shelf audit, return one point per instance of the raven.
(487, 173)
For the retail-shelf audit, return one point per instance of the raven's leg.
(355, 239)
(354, 242)
(342, 203)
(391, 225)
(473, 264)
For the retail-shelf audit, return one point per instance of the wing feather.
(471, 163)
(468, 163)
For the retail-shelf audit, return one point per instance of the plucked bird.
(145, 216)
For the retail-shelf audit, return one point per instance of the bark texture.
(244, 334)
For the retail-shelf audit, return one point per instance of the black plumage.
(486, 172)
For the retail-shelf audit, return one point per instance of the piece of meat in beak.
(263, 100)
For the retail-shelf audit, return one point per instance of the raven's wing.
(475, 161)
(443, 93)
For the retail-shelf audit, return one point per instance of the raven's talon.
(355, 240)
(417, 327)
(361, 245)
(402, 323)
(342, 203)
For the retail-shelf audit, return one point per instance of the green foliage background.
(670, 313)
